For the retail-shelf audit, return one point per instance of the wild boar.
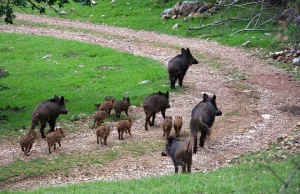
(55, 137)
(124, 126)
(120, 106)
(180, 152)
(178, 66)
(202, 119)
(102, 132)
(177, 125)
(167, 126)
(154, 103)
(27, 141)
(99, 117)
(48, 111)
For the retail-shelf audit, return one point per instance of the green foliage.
(83, 73)
(6, 6)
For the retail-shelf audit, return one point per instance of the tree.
(6, 6)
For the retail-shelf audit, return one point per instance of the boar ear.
(214, 98)
(205, 97)
(62, 100)
(167, 94)
(188, 50)
(182, 50)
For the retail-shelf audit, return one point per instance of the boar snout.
(219, 113)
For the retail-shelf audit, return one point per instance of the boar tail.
(188, 146)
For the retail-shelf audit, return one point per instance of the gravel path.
(261, 117)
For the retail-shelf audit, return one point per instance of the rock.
(63, 12)
(298, 124)
(246, 43)
(268, 34)
(46, 57)
(175, 26)
(296, 61)
(93, 2)
(266, 116)
(3, 72)
(144, 82)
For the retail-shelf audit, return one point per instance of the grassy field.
(83, 73)
(145, 15)
(248, 177)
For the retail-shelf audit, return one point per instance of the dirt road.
(256, 100)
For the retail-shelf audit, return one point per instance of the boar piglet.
(27, 141)
(48, 111)
(107, 106)
(124, 126)
(102, 132)
(99, 117)
(178, 66)
(55, 137)
(177, 125)
(202, 119)
(167, 126)
(154, 103)
(180, 152)
(120, 106)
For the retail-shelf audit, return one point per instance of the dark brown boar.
(99, 117)
(27, 141)
(55, 137)
(167, 126)
(154, 103)
(120, 106)
(107, 106)
(180, 152)
(178, 66)
(102, 132)
(202, 119)
(177, 125)
(124, 126)
(48, 111)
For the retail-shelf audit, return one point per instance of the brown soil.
(252, 117)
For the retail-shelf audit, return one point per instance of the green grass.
(145, 15)
(83, 73)
(255, 177)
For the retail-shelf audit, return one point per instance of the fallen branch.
(286, 184)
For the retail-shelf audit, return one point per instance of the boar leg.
(51, 125)
(183, 170)
(43, 125)
(126, 111)
(189, 167)
(147, 120)
(172, 81)
(105, 138)
(195, 142)
(153, 118)
(98, 140)
(176, 169)
(181, 79)
(163, 113)
(204, 134)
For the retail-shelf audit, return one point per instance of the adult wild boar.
(180, 152)
(178, 66)
(48, 111)
(153, 104)
(202, 119)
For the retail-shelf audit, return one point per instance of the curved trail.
(259, 120)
